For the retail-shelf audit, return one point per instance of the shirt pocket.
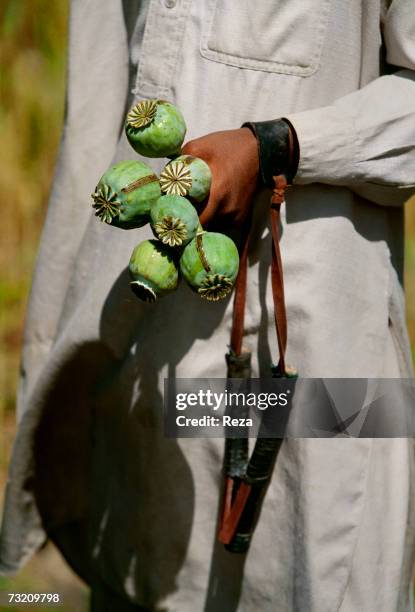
(284, 36)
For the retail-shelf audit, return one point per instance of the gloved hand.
(232, 156)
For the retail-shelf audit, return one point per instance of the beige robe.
(91, 466)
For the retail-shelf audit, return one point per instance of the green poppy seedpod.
(174, 220)
(125, 194)
(153, 270)
(187, 176)
(155, 128)
(210, 264)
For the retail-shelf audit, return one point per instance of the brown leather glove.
(233, 159)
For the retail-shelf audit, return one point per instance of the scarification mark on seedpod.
(201, 251)
(151, 178)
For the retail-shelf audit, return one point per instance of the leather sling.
(246, 480)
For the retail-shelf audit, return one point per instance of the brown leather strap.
(277, 281)
(277, 278)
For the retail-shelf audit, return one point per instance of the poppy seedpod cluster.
(130, 194)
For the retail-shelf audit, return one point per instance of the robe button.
(170, 3)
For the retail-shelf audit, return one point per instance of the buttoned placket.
(163, 39)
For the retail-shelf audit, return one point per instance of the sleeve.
(366, 139)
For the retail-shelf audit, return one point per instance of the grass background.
(33, 37)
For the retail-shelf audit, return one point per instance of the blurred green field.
(410, 269)
(33, 38)
(32, 64)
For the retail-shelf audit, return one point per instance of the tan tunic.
(90, 464)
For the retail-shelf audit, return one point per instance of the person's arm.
(364, 140)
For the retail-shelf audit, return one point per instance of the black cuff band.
(278, 149)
